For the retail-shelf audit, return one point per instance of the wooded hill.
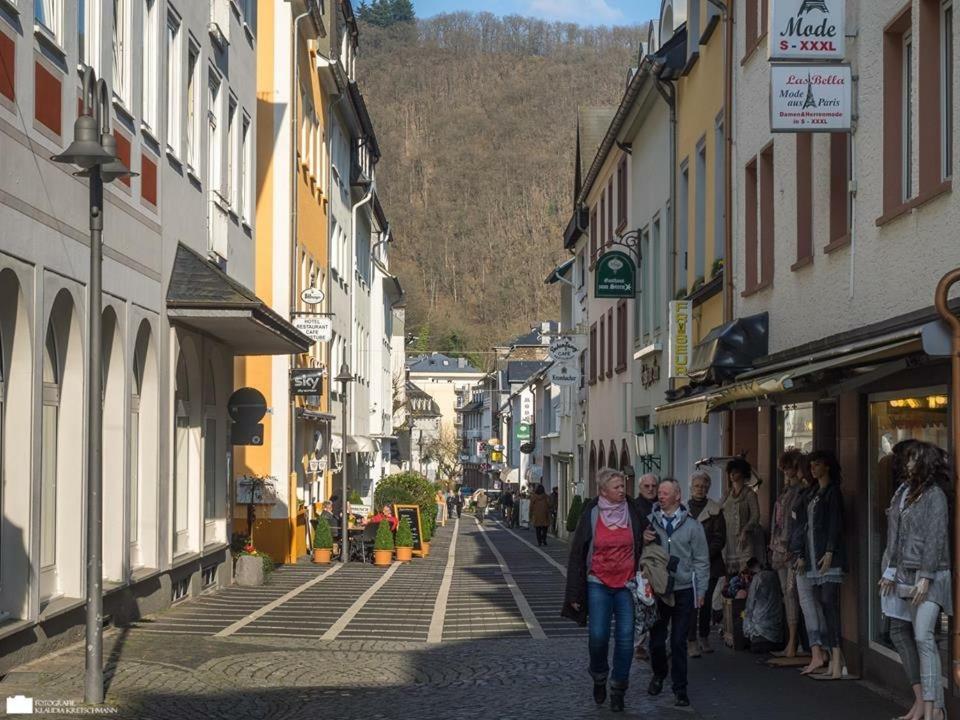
(476, 116)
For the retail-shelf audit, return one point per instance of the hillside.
(476, 117)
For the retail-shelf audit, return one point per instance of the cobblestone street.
(330, 642)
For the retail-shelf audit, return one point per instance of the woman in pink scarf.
(604, 555)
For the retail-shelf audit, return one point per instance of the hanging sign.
(810, 98)
(681, 337)
(564, 375)
(807, 29)
(523, 431)
(306, 381)
(312, 296)
(318, 328)
(563, 348)
(615, 276)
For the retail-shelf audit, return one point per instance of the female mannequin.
(741, 514)
(918, 561)
(781, 559)
(813, 618)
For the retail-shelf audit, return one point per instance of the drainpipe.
(941, 301)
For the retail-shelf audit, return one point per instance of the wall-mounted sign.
(318, 328)
(681, 337)
(807, 29)
(526, 407)
(246, 407)
(523, 431)
(563, 348)
(810, 98)
(650, 373)
(615, 276)
(306, 381)
(312, 296)
(564, 375)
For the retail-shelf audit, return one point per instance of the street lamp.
(344, 378)
(93, 150)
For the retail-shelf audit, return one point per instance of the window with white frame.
(233, 167)
(214, 158)
(246, 176)
(88, 32)
(193, 106)
(907, 124)
(48, 14)
(174, 83)
(122, 50)
(150, 46)
(946, 88)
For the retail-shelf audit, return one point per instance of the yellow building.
(291, 274)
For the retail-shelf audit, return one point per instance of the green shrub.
(427, 522)
(716, 268)
(384, 539)
(354, 498)
(408, 488)
(573, 517)
(322, 537)
(404, 537)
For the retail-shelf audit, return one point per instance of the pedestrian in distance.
(459, 503)
(604, 555)
(540, 514)
(515, 510)
(710, 515)
(482, 501)
(506, 507)
(554, 504)
(686, 543)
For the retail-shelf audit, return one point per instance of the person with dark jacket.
(604, 555)
(710, 515)
(647, 494)
(540, 514)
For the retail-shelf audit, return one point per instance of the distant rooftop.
(439, 363)
(519, 371)
(537, 337)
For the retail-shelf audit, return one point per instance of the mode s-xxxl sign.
(807, 29)
(810, 98)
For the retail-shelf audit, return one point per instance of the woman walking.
(918, 563)
(604, 555)
(540, 514)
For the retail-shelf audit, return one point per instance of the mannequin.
(917, 572)
(741, 515)
(781, 559)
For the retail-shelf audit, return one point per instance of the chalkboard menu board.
(412, 514)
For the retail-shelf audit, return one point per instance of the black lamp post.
(94, 151)
(344, 378)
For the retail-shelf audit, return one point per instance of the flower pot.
(425, 548)
(404, 554)
(382, 558)
(249, 571)
(322, 555)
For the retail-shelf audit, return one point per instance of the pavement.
(473, 631)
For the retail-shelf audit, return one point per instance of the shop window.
(181, 480)
(920, 415)
(49, 430)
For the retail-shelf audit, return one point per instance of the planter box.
(321, 556)
(249, 572)
(404, 554)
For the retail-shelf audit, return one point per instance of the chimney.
(461, 362)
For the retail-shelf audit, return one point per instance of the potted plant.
(404, 541)
(252, 566)
(322, 542)
(383, 545)
(426, 532)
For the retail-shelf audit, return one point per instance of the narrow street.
(360, 642)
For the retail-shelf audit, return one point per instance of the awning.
(204, 298)
(360, 444)
(315, 415)
(682, 412)
(730, 349)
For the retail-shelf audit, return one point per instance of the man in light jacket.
(686, 543)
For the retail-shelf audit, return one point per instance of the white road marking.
(260, 612)
(558, 566)
(533, 624)
(440, 607)
(357, 606)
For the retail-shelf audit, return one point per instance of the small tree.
(404, 537)
(573, 517)
(322, 537)
(384, 539)
(426, 526)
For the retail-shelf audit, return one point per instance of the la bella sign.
(807, 29)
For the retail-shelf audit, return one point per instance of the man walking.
(647, 494)
(481, 506)
(686, 544)
(506, 507)
(710, 515)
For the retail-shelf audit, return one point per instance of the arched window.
(181, 466)
(624, 462)
(133, 491)
(612, 458)
(592, 470)
(601, 457)
(49, 433)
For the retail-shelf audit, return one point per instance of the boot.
(599, 691)
(693, 649)
(617, 692)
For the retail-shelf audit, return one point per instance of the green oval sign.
(615, 276)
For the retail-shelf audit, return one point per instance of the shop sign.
(306, 381)
(564, 375)
(526, 408)
(807, 29)
(312, 296)
(810, 98)
(523, 431)
(318, 328)
(650, 373)
(563, 348)
(615, 276)
(681, 338)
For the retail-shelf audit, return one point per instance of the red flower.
(249, 548)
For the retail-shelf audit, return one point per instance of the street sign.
(681, 338)
(318, 328)
(810, 98)
(312, 296)
(615, 276)
(564, 375)
(246, 434)
(563, 348)
(807, 30)
(306, 381)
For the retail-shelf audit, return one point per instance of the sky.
(585, 12)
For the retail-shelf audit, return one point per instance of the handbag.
(645, 611)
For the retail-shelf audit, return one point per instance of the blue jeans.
(679, 615)
(603, 605)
